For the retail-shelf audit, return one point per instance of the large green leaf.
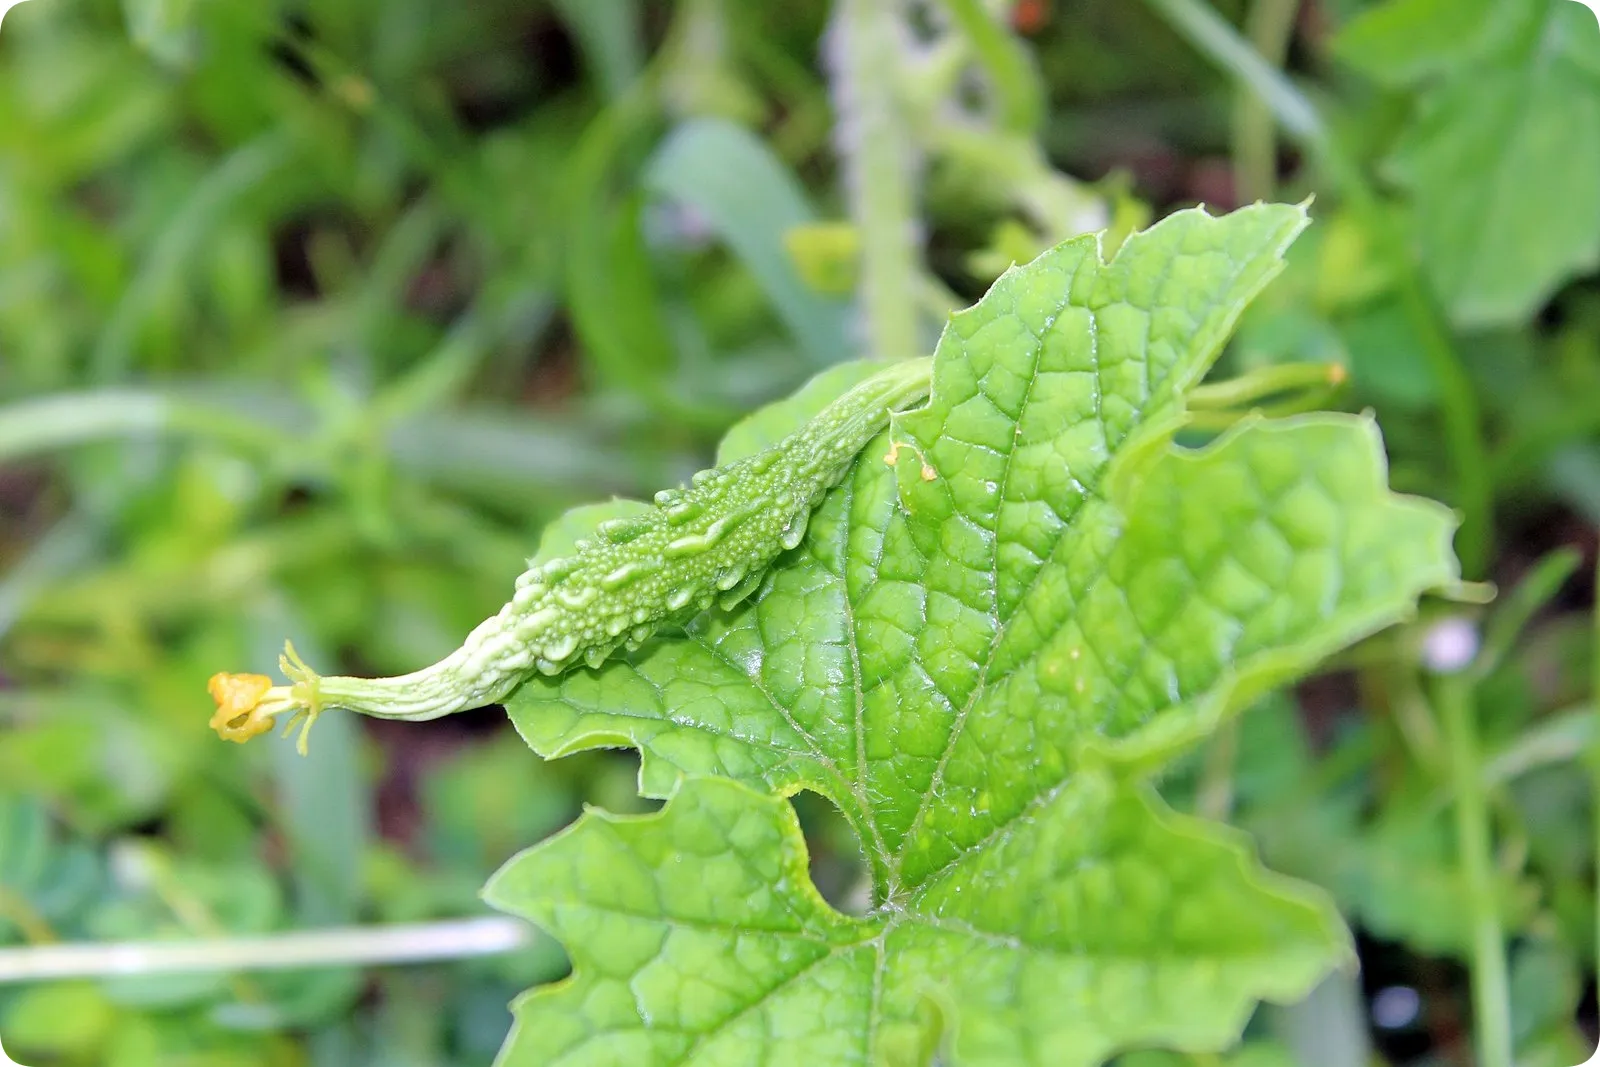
(697, 938)
(1027, 595)
(1503, 156)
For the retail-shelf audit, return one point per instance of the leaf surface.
(1023, 596)
(698, 938)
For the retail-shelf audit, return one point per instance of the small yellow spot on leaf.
(892, 457)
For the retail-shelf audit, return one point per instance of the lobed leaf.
(697, 938)
(1023, 597)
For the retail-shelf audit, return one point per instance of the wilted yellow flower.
(240, 713)
(247, 704)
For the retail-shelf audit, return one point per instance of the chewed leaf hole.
(838, 866)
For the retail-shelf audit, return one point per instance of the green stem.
(879, 163)
(1219, 42)
(1264, 382)
(349, 946)
(1216, 420)
(1491, 996)
(1017, 90)
(1255, 148)
(1222, 44)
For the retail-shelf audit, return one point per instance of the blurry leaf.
(1559, 1047)
(1386, 359)
(282, 1000)
(76, 104)
(45, 883)
(1504, 156)
(1402, 41)
(1554, 803)
(1545, 988)
(1559, 738)
(1512, 615)
(1407, 885)
(1304, 814)
(961, 640)
(1011, 242)
(743, 193)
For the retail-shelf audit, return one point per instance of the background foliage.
(312, 315)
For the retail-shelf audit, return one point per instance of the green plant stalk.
(1264, 382)
(1491, 989)
(334, 947)
(1222, 44)
(1215, 420)
(1219, 42)
(1018, 94)
(878, 158)
(1255, 148)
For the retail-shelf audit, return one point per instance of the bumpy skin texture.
(699, 544)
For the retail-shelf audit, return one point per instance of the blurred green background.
(311, 314)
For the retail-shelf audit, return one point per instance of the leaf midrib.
(1092, 493)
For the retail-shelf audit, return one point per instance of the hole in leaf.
(612, 781)
(838, 865)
